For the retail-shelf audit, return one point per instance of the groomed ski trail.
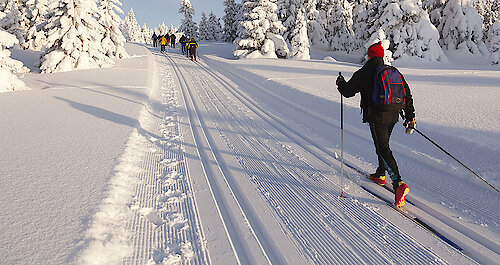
(210, 178)
(297, 187)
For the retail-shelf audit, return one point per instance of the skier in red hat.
(381, 121)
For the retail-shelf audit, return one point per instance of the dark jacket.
(362, 82)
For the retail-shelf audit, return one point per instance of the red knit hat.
(376, 50)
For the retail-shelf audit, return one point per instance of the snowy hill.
(164, 160)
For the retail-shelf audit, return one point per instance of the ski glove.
(410, 126)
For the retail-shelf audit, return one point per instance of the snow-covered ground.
(164, 160)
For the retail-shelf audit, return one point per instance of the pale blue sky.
(154, 12)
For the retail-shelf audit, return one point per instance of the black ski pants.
(381, 132)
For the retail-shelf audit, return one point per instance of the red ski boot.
(401, 192)
(377, 178)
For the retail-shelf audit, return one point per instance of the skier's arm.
(409, 108)
(350, 88)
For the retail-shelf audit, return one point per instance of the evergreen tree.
(362, 11)
(259, 32)
(408, 28)
(292, 16)
(163, 29)
(188, 26)
(340, 26)
(461, 27)
(489, 10)
(214, 28)
(231, 18)
(8, 66)
(113, 41)
(73, 37)
(130, 28)
(494, 42)
(146, 34)
(316, 24)
(36, 12)
(202, 30)
(300, 40)
(435, 10)
(287, 12)
(15, 21)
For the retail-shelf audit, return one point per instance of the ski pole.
(341, 144)
(446, 152)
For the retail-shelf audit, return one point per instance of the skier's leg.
(381, 134)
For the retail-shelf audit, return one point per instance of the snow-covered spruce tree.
(188, 26)
(163, 29)
(287, 12)
(73, 37)
(231, 15)
(292, 16)
(461, 27)
(408, 28)
(435, 10)
(130, 28)
(36, 37)
(300, 40)
(214, 28)
(202, 29)
(362, 12)
(146, 34)
(489, 10)
(316, 24)
(113, 41)
(8, 66)
(15, 21)
(259, 32)
(494, 42)
(340, 26)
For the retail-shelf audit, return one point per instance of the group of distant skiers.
(188, 45)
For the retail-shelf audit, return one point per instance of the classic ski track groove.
(485, 241)
(328, 225)
(234, 234)
(156, 239)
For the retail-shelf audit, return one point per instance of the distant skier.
(172, 40)
(183, 41)
(163, 43)
(155, 40)
(167, 36)
(381, 120)
(191, 46)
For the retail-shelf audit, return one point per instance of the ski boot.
(401, 190)
(378, 178)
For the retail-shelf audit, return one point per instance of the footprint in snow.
(152, 216)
